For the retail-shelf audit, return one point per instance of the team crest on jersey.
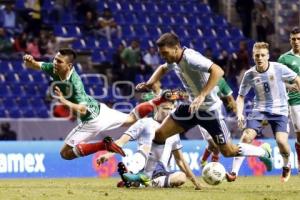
(272, 78)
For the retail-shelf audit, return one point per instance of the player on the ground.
(199, 76)
(292, 60)
(143, 132)
(270, 103)
(69, 90)
(225, 93)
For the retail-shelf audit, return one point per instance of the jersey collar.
(69, 75)
(292, 52)
(184, 48)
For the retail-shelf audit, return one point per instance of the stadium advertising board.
(42, 160)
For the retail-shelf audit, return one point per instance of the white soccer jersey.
(143, 131)
(269, 88)
(193, 72)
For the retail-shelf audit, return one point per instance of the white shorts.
(107, 119)
(295, 117)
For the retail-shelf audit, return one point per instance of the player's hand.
(241, 121)
(195, 105)
(28, 58)
(198, 186)
(293, 88)
(58, 94)
(143, 86)
(102, 159)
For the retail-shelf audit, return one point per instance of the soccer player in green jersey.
(95, 117)
(292, 60)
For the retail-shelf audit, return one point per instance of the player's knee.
(228, 152)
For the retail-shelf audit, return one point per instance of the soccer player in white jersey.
(199, 76)
(270, 103)
(143, 132)
(94, 117)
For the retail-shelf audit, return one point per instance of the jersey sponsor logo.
(20, 163)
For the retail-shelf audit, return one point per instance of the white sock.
(286, 160)
(236, 164)
(137, 162)
(161, 182)
(250, 150)
(153, 158)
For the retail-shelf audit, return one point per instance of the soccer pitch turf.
(252, 188)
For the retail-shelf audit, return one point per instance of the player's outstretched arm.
(31, 63)
(184, 167)
(156, 76)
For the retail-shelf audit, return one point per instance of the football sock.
(236, 164)
(285, 158)
(205, 154)
(215, 157)
(250, 150)
(162, 182)
(137, 162)
(154, 156)
(85, 149)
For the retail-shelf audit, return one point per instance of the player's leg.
(280, 127)
(77, 143)
(219, 132)
(168, 128)
(207, 151)
(295, 117)
(145, 108)
(247, 137)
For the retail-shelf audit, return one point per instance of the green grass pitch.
(252, 188)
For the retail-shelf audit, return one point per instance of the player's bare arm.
(184, 167)
(297, 82)
(77, 108)
(216, 73)
(31, 63)
(231, 104)
(240, 109)
(156, 76)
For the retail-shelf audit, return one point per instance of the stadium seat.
(4, 91)
(14, 113)
(42, 112)
(17, 90)
(28, 112)
(3, 113)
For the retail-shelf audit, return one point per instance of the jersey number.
(266, 87)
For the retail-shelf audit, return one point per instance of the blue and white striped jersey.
(193, 72)
(269, 88)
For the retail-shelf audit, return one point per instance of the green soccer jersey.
(293, 62)
(73, 90)
(223, 88)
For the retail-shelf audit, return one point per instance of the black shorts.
(209, 120)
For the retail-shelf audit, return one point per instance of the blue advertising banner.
(41, 159)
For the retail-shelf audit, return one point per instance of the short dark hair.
(168, 39)
(295, 30)
(70, 53)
